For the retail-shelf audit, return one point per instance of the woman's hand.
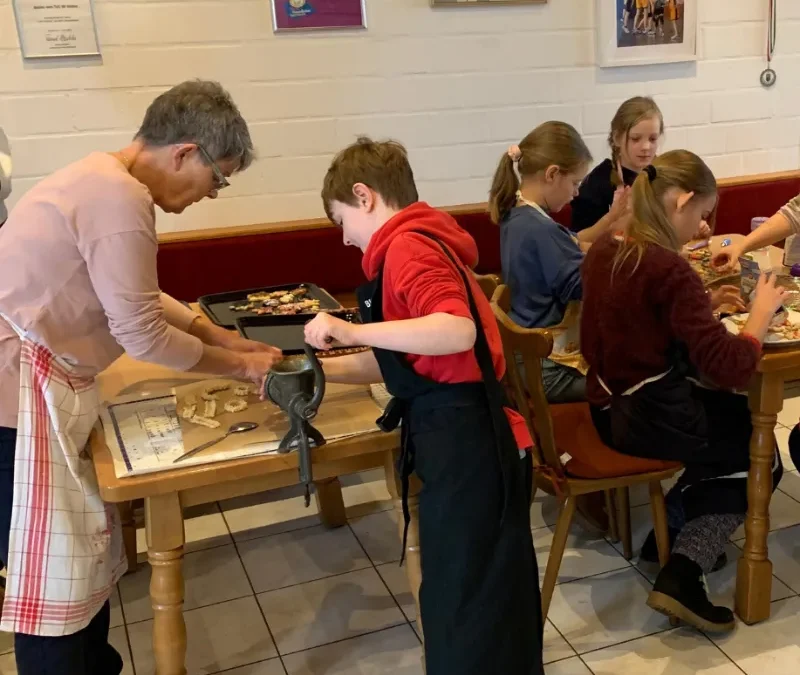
(216, 336)
(323, 329)
(727, 295)
(727, 260)
(768, 298)
(704, 232)
(258, 364)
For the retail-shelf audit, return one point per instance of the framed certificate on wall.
(56, 29)
(288, 15)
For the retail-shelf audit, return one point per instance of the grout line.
(351, 637)
(593, 576)
(254, 663)
(125, 626)
(563, 637)
(260, 608)
(663, 631)
(721, 651)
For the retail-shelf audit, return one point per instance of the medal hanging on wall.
(769, 76)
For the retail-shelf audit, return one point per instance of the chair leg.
(660, 521)
(613, 529)
(566, 513)
(624, 515)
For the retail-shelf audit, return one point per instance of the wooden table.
(778, 366)
(167, 493)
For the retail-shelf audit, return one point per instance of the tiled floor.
(269, 591)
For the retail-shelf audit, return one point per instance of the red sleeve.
(424, 279)
(727, 360)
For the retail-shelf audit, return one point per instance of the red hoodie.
(419, 279)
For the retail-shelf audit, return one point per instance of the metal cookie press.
(296, 385)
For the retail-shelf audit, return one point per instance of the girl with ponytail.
(662, 375)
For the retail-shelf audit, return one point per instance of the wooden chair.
(488, 283)
(568, 429)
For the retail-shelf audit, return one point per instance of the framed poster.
(467, 3)
(290, 15)
(641, 32)
(52, 30)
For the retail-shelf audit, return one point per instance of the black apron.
(479, 598)
(708, 430)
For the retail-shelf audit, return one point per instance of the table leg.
(330, 502)
(413, 561)
(754, 573)
(165, 539)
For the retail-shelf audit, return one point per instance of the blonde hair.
(549, 144)
(628, 115)
(650, 223)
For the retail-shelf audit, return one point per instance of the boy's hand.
(323, 329)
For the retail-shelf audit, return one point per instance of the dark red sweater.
(627, 325)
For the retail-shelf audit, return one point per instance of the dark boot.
(649, 552)
(679, 592)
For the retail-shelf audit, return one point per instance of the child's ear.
(551, 173)
(684, 199)
(364, 196)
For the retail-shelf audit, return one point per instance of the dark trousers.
(479, 598)
(86, 652)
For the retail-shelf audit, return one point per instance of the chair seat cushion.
(575, 434)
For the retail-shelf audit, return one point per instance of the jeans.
(86, 652)
(562, 384)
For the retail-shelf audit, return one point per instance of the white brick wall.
(457, 86)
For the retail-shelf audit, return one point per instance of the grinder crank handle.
(319, 380)
(304, 463)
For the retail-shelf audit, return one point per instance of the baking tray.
(216, 306)
(286, 332)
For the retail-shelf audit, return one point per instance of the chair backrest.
(488, 283)
(532, 345)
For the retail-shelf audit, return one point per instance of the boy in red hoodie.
(436, 346)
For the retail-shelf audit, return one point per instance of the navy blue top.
(541, 265)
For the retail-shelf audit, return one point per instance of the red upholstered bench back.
(198, 263)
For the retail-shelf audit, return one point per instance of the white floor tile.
(783, 512)
(379, 534)
(573, 666)
(395, 651)
(396, 579)
(118, 639)
(784, 552)
(771, 647)
(544, 510)
(116, 610)
(605, 610)
(219, 637)
(790, 415)
(211, 576)
(556, 647)
(782, 435)
(365, 493)
(271, 667)
(722, 584)
(204, 528)
(790, 485)
(303, 555)
(582, 557)
(324, 611)
(269, 513)
(680, 652)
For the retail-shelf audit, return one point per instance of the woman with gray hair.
(78, 287)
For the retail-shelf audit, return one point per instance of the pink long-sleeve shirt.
(78, 275)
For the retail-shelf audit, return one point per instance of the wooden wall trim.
(460, 209)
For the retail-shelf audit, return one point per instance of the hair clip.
(514, 153)
(651, 172)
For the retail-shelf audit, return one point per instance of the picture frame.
(306, 15)
(472, 3)
(645, 32)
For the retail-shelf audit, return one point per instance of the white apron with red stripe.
(65, 549)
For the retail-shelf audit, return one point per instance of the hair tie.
(514, 153)
(651, 172)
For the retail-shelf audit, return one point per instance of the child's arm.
(361, 368)
(433, 335)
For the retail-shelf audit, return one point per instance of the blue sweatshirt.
(541, 264)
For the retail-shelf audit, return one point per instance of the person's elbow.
(463, 334)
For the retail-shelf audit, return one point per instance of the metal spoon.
(238, 428)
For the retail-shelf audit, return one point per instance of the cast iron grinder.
(296, 385)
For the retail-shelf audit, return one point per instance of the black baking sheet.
(217, 305)
(284, 332)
